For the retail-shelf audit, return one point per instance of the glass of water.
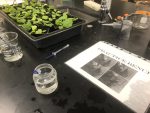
(9, 47)
(45, 78)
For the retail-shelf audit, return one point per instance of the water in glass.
(9, 46)
(45, 78)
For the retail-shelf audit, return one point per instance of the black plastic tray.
(46, 40)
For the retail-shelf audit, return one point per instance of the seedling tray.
(47, 39)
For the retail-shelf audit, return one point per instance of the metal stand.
(105, 15)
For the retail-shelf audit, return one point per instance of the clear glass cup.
(45, 78)
(9, 47)
(141, 19)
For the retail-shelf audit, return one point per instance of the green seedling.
(38, 18)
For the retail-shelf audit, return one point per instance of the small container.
(45, 78)
(9, 47)
(141, 19)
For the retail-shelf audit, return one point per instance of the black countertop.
(74, 93)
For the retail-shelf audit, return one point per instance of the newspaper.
(122, 74)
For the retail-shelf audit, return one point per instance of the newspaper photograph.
(110, 72)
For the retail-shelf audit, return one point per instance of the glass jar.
(141, 18)
(45, 78)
